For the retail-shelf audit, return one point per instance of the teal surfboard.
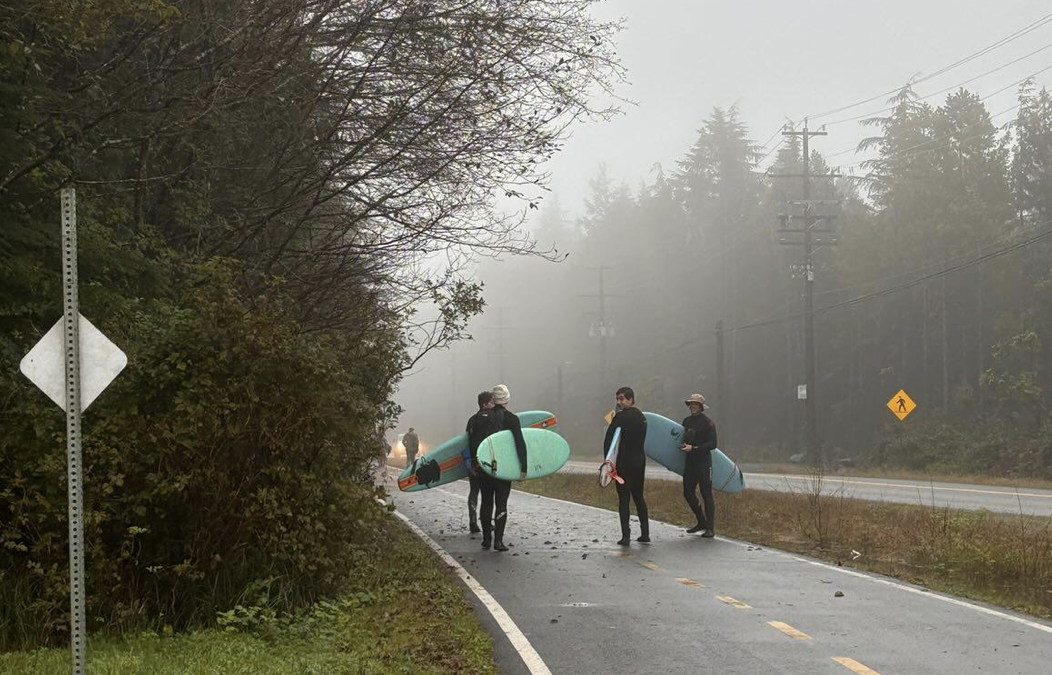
(445, 463)
(663, 439)
(546, 453)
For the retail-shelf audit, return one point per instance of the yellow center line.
(691, 582)
(789, 630)
(900, 486)
(735, 603)
(854, 666)
(649, 565)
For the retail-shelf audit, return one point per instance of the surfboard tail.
(608, 474)
(547, 423)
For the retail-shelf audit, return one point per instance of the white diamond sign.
(100, 362)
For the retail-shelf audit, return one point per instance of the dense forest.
(937, 282)
(258, 185)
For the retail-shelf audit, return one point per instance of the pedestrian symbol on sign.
(901, 405)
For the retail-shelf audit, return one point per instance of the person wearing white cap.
(494, 490)
(699, 440)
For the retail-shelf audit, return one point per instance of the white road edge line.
(928, 594)
(919, 486)
(861, 575)
(522, 645)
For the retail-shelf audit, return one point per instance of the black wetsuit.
(495, 492)
(480, 425)
(474, 487)
(700, 432)
(631, 466)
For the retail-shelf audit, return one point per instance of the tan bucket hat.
(697, 398)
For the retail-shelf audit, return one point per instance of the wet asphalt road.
(687, 605)
(999, 499)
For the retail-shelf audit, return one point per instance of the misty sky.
(775, 60)
(779, 60)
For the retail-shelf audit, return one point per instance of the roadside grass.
(1004, 560)
(403, 614)
(860, 472)
(905, 474)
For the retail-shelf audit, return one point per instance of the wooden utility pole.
(813, 238)
(604, 329)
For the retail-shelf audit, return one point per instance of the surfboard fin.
(607, 473)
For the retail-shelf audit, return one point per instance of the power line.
(1003, 41)
(920, 149)
(857, 118)
(967, 59)
(869, 296)
(775, 135)
(891, 277)
(983, 99)
(916, 282)
(776, 146)
(1017, 82)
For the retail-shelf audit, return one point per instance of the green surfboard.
(546, 453)
(445, 463)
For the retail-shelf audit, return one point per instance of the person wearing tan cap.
(699, 440)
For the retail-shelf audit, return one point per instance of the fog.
(666, 221)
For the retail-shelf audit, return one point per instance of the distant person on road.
(699, 440)
(385, 450)
(485, 422)
(631, 463)
(411, 443)
(495, 492)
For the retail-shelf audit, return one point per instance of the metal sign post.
(74, 479)
(73, 363)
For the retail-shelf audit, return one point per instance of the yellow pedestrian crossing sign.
(901, 405)
(609, 417)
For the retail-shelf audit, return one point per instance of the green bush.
(985, 446)
(227, 461)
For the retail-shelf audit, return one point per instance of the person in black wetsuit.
(495, 492)
(631, 463)
(699, 440)
(480, 425)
